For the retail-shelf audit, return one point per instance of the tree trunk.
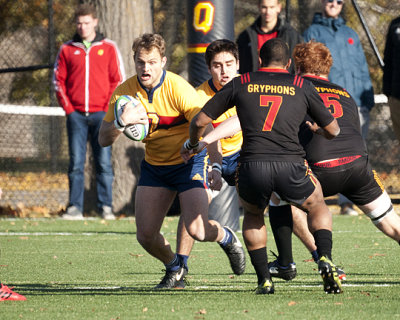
(121, 21)
(307, 9)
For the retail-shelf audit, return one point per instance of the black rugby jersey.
(271, 104)
(342, 106)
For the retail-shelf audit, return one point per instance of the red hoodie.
(84, 79)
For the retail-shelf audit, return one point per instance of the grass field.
(94, 269)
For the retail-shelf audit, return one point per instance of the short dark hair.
(274, 52)
(86, 10)
(218, 46)
(148, 41)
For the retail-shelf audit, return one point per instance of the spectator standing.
(349, 69)
(87, 70)
(267, 26)
(391, 73)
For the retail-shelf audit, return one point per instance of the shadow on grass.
(35, 289)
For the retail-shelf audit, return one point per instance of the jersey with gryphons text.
(342, 106)
(170, 106)
(271, 104)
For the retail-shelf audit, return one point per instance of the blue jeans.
(80, 128)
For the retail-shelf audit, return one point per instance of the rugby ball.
(136, 132)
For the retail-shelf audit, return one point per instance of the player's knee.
(144, 238)
(197, 233)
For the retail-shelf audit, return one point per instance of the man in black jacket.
(391, 73)
(268, 25)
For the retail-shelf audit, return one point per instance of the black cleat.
(173, 279)
(329, 275)
(286, 273)
(235, 252)
(266, 288)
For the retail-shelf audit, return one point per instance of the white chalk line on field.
(61, 233)
(127, 288)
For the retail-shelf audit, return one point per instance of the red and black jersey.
(342, 106)
(271, 104)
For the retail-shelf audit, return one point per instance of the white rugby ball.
(136, 132)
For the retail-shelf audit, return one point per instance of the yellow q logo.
(203, 18)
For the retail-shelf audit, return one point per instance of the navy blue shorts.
(229, 165)
(179, 177)
(293, 181)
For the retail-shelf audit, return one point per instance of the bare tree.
(121, 21)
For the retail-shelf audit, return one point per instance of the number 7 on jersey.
(274, 103)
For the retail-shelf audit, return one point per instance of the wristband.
(189, 146)
(217, 167)
(118, 126)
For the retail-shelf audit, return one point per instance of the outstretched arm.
(227, 128)
(329, 132)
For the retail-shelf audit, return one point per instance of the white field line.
(128, 287)
(57, 233)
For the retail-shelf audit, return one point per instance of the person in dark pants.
(391, 73)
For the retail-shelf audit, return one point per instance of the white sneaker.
(73, 213)
(107, 214)
(349, 212)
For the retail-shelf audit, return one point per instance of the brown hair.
(85, 10)
(148, 41)
(312, 57)
(218, 46)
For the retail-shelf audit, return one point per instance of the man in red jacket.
(87, 70)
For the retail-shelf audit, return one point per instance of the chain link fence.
(33, 142)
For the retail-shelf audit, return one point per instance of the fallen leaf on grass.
(136, 255)
(292, 303)
(202, 311)
(145, 309)
(377, 255)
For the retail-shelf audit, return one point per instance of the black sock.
(323, 241)
(259, 260)
(281, 221)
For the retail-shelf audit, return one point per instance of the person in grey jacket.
(349, 69)
(391, 73)
(267, 26)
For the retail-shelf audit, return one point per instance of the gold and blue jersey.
(171, 105)
(229, 145)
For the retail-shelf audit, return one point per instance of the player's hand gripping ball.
(136, 132)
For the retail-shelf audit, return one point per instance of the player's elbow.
(102, 141)
(332, 130)
(201, 120)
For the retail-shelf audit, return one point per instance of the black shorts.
(355, 180)
(293, 181)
